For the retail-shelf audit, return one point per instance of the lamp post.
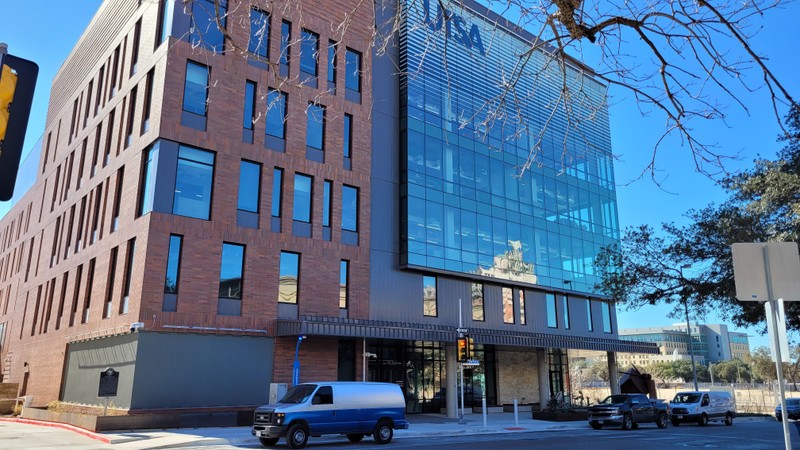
(690, 343)
(296, 368)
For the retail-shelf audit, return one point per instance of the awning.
(378, 329)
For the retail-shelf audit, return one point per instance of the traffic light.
(17, 83)
(470, 348)
(463, 354)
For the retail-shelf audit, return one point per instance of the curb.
(64, 426)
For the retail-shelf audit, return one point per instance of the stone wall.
(517, 376)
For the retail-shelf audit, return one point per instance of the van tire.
(703, 420)
(383, 432)
(661, 420)
(268, 442)
(355, 437)
(297, 436)
(728, 419)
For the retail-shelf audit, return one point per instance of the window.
(522, 318)
(148, 101)
(286, 40)
(552, 319)
(230, 273)
(309, 51)
(248, 117)
(112, 269)
(326, 203)
(352, 76)
(349, 208)
(126, 283)
(131, 115)
(607, 317)
(302, 198)
(589, 314)
(344, 285)
(289, 278)
(137, 30)
(323, 396)
(276, 114)
(195, 92)
(193, 183)
(315, 126)
(259, 33)
(508, 305)
(208, 20)
(565, 305)
(165, 8)
(173, 264)
(348, 136)
(148, 182)
(277, 187)
(117, 199)
(429, 307)
(332, 50)
(249, 186)
(477, 302)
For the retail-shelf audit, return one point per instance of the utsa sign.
(455, 27)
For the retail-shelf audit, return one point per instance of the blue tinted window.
(173, 264)
(165, 16)
(589, 320)
(348, 134)
(326, 203)
(552, 319)
(332, 51)
(289, 282)
(249, 105)
(315, 130)
(249, 186)
(344, 291)
(206, 23)
(349, 208)
(607, 317)
(309, 52)
(277, 194)
(276, 114)
(195, 91)
(259, 33)
(302, 198)
(230, 273)
(148, 182)
(352, 77)
(193, 183)
(286, 39)
(429, 306)
(565, 305)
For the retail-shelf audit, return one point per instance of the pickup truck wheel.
(268, 442)
(703, 420)
(634, 426)
(596, 426)
(627, 422)
(728, 419)
(661, 421)
(357, 437)
(675, 422)
(297, 436)
(383, 432)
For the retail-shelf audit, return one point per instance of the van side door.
(322, 413)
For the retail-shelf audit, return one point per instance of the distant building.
(711, 343)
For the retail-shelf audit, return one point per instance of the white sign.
(754, 278)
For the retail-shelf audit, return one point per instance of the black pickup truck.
(628, 411)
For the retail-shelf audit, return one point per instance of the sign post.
(770, 273)
(109, 380)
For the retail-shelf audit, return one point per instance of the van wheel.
(728, 419)
(268, 442)
(661, 421)
(703, 420)
(596, 425)
(297, 436)
(627, 422)
(383, 432)
(357, 437)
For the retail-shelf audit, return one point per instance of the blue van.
(353, 409)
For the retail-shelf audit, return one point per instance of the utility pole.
(690, 342)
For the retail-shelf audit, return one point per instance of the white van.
(353, 409)
(702, 407)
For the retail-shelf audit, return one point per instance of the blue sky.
(45, 32)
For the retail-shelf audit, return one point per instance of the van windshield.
(298, 394)
(686, 398)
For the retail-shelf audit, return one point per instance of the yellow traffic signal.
(8, 84)
(470, 348)
(462, 349)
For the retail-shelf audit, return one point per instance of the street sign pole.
(773, 312)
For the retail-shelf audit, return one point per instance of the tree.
(670, 371)
(763, 206)
(675, 58)
(599, 370)
(762, 365)
(731, 371)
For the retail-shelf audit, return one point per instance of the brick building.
(201, 204)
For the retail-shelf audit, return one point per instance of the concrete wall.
(517, 376)
(84, 362)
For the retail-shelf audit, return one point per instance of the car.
(702, 407)
(792, 409)
(628, 411)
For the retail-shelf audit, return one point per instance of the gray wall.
(84, 362)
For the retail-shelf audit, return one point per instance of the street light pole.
(296, 367)
(690, 343)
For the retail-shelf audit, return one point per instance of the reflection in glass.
(206, 23)
(259, 33)
(332, 52)
(173, 264)
(289, 277)
(522, 319)
(550, 301)
(231, 268)
(607, 317)
(195, 92)
(248, 118)
(477, 302)
(349, 208)
(309, 51)
(276, 114)
(193, 183)
(301, 210)
(508, 305)
(326, 203)
(352, 76)
(429, 307)
(315, 125)
(277, 194)
(249, 186)
(286, 38)
(589, 314)
(348, 135)
(344, 291)
(565, 305)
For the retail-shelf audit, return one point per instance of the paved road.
(761, 435)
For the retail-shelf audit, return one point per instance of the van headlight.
(279, 417)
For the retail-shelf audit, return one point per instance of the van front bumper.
(685, 417)
(268, 431)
